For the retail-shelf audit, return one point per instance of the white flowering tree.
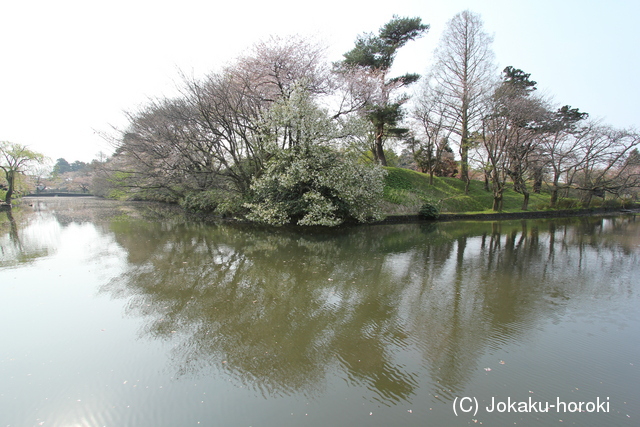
(315, 185)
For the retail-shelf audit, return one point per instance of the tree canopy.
(281, 135)
(379, 51)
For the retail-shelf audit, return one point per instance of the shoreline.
(399, 219)
(59, 194)
(405, 219)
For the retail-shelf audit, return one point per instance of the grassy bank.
(407, 190)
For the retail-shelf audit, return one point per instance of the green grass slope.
(407, 190)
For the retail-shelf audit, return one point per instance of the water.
(119, 314)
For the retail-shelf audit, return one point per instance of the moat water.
(128, 314)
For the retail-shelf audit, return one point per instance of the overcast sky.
(71, 68)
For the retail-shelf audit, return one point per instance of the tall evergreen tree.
(373, 55)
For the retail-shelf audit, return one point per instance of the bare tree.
(153, 154)
(234, 108)
(431, 115)
(526, 114)
(606, 167)
(273, 68)
(229, 125)
(510, 133)
(560, 147)
(464, 69)
(225, 126)
(356, 87)
(495, 136)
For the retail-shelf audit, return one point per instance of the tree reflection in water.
(279, 310)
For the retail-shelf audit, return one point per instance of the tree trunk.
(379, 151)
(10, 183)
(554, 197)
(497, 201)
(537, 180)
(520, 186)
(525, 202)
(497, 197)
(464, 151)
(585, 198)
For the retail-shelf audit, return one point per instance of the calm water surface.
(120, 314)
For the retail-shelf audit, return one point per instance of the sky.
(69, 70)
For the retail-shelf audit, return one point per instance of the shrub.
(429, 210)
(117, 194)
(216, 202)
(201, 201)
(313, 185)
(231, 206)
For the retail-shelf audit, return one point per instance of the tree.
(632, 169)
(233, 120)
(309, 182)
(525, 114)
(371, 60)
(61, 167)
(273, 68)
(222, 130)
(607, 165)
(495, 137)
(315, 185)
(431, 115)
(14, 160)
(562, 138)
(158, 156)
(41, 173)
(509, 133)
(464, 73)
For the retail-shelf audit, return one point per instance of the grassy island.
(406, 191)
